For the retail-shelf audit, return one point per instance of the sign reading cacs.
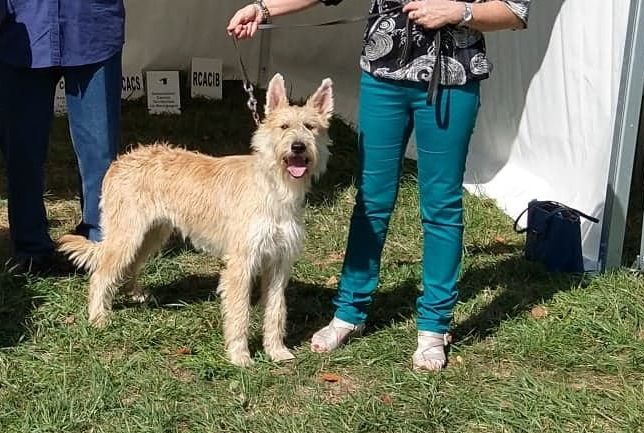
(132, 86)
(206, 78)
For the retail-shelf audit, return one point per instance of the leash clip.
(252, 101)
(248, 86)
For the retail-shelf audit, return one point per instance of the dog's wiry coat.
(246, 209)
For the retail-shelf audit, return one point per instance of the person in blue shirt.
(40, 42)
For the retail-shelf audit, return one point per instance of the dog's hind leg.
(235, 287)
(273, 283)
(153, 242)
(116, 255)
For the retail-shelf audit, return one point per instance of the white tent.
(545, 128)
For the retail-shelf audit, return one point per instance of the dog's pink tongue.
(296, 167)
(296, 171)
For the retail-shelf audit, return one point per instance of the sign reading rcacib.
(206, 78)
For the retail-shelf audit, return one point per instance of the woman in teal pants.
(422, 64)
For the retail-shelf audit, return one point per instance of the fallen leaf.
(183, 351)
(387, 399)
(70, 320)
(336, 256)
(332, 281)
(330, 377)
(459, 359)
(501, 240)
(539, 312)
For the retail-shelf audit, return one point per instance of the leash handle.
(435, 80)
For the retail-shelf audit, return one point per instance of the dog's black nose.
(298, 147)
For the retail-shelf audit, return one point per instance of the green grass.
(576, 367)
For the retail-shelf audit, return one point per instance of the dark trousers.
(93, 95)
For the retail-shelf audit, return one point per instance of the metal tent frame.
(625, 135)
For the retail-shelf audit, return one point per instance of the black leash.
(432, 91)
(435, 81)
(332, 22)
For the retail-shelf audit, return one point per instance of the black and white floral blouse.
(397, 49)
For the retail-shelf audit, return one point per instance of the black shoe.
(52, 265)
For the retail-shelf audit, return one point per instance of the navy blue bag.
(553, 235)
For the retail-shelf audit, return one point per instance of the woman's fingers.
(412, 6)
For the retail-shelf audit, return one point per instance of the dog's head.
(294, 137)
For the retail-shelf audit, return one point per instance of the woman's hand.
(245, 22)
(434, 14)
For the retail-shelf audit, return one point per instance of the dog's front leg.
(235, 287)
(274, 280)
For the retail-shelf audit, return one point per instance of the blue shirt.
(47, 33)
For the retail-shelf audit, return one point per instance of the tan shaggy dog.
(246, 209)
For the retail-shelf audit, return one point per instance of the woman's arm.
(245, 21)
(486, 16)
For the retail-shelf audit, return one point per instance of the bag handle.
(559, 207)
(532, 204)
(575, 211)
(516, 222)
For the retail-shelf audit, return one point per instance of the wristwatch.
(467, 15)
(263, 11)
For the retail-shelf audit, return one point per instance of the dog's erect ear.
(322, 99)
(276, 94)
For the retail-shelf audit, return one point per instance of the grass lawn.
(533, 352)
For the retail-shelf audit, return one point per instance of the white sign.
(132, 86)
(206, 78)
(60, 104)
(163, 92)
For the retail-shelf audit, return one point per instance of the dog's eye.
(285, 126)
(309, 126)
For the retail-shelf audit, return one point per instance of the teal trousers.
(388, 112)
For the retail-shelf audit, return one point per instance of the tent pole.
(624, 142)
(639, 261)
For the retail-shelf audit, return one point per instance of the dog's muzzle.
(297, 164)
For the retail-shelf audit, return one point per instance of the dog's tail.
(81, 251)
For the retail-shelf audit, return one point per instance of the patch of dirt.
(334, 392)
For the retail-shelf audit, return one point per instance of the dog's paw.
(280, 354)
(143, 298)
(240, 359)
(99, 320)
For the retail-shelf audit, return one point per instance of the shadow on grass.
(310, 308)
(16, 300)
(187, 290)
(521, 284)
(191, 289)
(16, 305)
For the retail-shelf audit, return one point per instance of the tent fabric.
(546, 121)
(167, 34)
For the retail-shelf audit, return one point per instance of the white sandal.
(430, 353)
(334, 335)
